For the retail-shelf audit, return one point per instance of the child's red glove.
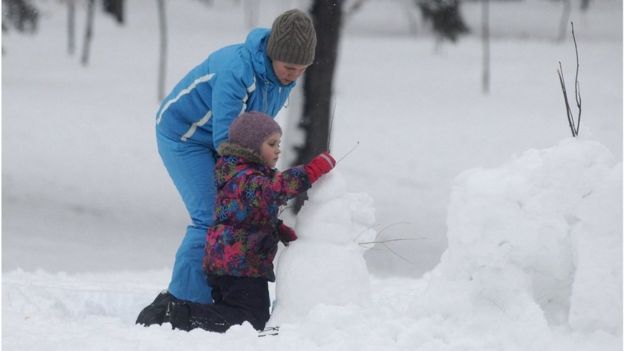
(285, 233)
(319, 165)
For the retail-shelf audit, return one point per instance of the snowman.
(325, 265)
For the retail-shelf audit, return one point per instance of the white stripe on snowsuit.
(183, 92)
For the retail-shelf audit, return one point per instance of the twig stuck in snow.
(574, 126)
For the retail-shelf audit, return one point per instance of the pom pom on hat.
(250, 129)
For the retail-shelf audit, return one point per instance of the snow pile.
(533, 245)
(596, 301)
(325, 265)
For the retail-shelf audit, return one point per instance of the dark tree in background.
(88, 35)
(19, 14)
(115, 9)
(112, 7)
(445, 18)
(318, 81)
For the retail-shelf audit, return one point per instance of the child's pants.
(236, 300)
(191, 167)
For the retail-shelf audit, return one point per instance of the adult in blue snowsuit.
(193, 120)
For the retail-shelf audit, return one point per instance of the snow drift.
(533, 245)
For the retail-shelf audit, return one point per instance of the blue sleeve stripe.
(183, 92)
(189, 133)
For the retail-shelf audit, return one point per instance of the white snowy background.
(513, 231)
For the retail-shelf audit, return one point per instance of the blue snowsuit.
(192, 122)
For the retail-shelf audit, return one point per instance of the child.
(241, 245)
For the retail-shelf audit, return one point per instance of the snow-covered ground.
(532, 232)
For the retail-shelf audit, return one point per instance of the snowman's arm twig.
(348, 153)
(392, 240)
(397, 255)
(382, 229)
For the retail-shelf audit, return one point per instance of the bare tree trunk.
(88, 32)
(485, 34)
(162, 70)
(71, 26)
(318, 81)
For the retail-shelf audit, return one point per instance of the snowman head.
(333, 215)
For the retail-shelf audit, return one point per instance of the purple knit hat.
(250, 129)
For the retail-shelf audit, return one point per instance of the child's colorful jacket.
(243, 241)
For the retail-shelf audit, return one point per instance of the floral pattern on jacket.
(243, 240)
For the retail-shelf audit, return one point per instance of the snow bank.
(533, 245)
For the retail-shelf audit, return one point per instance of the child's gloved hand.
(319, 165)
(285, 233)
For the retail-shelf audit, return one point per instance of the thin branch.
(350, 151)
(396, 254)
(331, 127)
(379, 233)
(574, 126)
(392, 240)
(382, 230)
(384, 242)
(565, 100)
(577, 89)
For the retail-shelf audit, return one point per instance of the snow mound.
(533, 245)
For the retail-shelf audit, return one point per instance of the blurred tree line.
(22, 15)
(442, 16)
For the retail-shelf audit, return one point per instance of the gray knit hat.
(250, 129)
(292, 38)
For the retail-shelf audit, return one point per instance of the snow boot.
(179, 315)
(155, 312)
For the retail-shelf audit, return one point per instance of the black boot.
(155, 312)
(179, 315)
(187, 316)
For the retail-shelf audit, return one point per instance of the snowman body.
(325, 265)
